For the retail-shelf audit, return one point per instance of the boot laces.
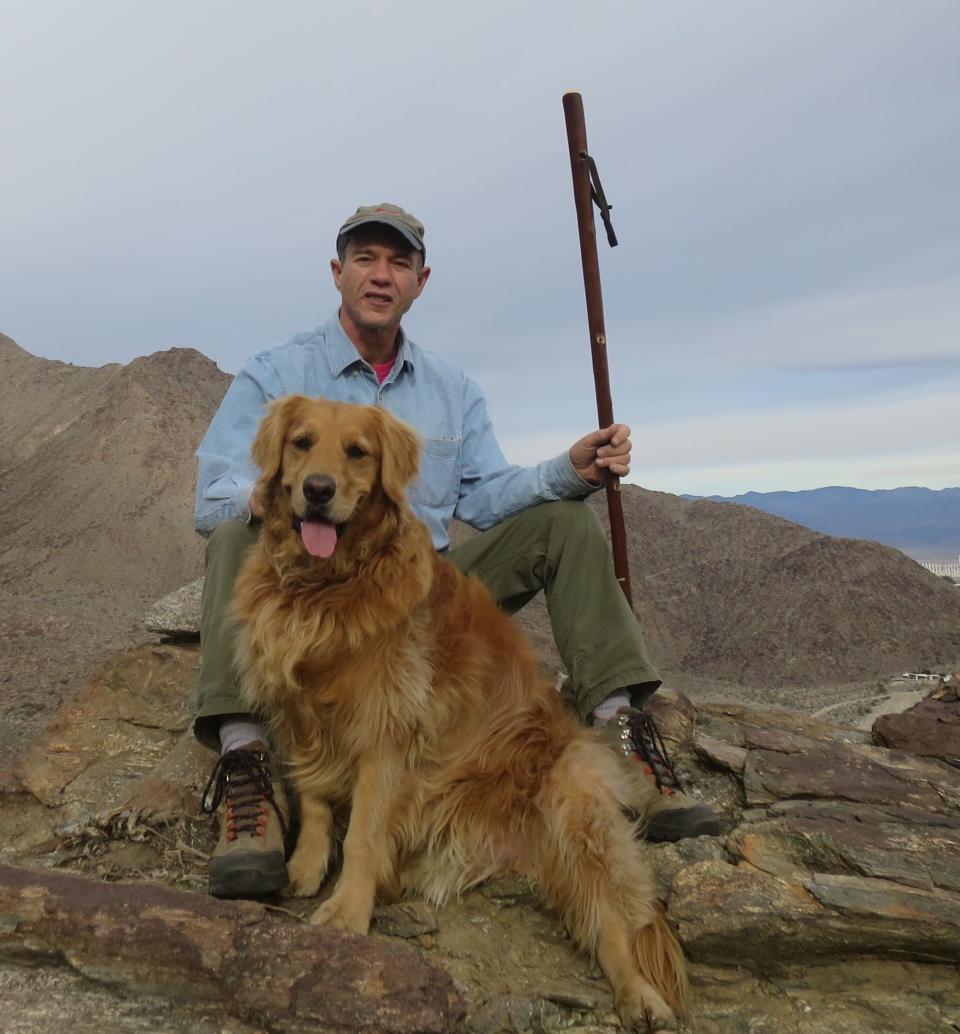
(649, 747)
(242, 778)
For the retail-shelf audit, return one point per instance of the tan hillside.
(99, 479)
(96, 498)
(41, 398)
(96, 502)
(727, 592)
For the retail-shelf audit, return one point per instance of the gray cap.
(390, 215)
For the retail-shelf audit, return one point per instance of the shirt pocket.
(439, 480)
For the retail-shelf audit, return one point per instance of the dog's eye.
(303, 443)
(355, 452)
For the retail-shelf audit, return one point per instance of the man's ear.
(399, 455)
(267, 448)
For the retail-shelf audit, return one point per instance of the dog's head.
(324, 465)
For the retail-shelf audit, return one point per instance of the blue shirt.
(463, 473)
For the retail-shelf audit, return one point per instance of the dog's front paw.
(305, 876)
(643, 1011)
(345, 911)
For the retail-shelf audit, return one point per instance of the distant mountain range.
(918, 521)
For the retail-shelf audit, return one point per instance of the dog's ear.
(267, 448)
(400, 455)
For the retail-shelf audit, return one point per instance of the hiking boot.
(250, 856)
(670, 814)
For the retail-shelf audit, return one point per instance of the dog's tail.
(593, 871)
(660, 958)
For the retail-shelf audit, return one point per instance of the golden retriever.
(395, 685)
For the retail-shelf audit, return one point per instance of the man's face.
(379, 278)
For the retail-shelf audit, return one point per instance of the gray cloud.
(783, 180)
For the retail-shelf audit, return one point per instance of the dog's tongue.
(319, 537)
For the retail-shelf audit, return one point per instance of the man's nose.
(381, 272)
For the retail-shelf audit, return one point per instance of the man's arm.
(492, 489)
(226, 472)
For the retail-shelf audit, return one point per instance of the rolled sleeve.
(563, 482)
(491, 490)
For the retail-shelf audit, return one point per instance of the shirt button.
(356, 373)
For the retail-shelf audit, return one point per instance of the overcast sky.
(783, 310)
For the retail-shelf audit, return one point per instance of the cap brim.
(387, 221)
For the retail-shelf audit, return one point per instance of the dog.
(395, 687)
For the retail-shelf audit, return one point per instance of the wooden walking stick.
(586, 191)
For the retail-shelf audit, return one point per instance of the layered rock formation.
(831, 903)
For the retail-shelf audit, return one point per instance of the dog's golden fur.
(395, 685)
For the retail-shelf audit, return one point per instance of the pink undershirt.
(382, 369)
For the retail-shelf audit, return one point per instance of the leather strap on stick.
(586, 191)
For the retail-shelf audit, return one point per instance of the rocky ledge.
(831, 903)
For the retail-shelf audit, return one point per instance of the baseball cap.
(391, 215)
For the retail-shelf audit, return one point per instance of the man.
(535, 534)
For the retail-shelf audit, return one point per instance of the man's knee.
(571, 519)
(229, 542)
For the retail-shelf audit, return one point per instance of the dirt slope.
(730, 593)
(96, 501)
(100, 489)
(96, 498)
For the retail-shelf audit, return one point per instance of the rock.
(900, 847)
(931, 728)
(177, 615)
(228, 958)
(859, 996)
(831, 905)
(508, 891)
(743, 916)
(408, 919)
(838, 772)
(48, 998)
(118, 731)
(725, 755)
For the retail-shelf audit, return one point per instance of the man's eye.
(355, 452)
(303, 443)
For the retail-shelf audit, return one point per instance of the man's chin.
(377, 319)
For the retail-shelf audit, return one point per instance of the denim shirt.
(463, 473)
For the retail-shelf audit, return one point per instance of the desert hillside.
(96, 486)
(96, 497)
(737, 595)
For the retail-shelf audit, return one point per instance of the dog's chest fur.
(350, 661)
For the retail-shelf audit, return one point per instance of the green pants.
(557, 547)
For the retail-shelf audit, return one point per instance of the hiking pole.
(586, 192)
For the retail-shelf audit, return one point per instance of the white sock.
(605, 711)
(238, 732)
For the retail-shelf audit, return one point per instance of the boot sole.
(247, 876)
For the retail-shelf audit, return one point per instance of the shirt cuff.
(564, 481)
(241, 501)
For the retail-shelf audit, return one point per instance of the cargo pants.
(556, 547)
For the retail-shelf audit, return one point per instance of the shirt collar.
(343, 354)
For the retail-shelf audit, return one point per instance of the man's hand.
(606, 449)
(256, 506)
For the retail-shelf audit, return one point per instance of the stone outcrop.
(177, 615)
(221, 959)
(931, 727)
(830, 904)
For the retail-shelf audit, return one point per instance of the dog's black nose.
(318, 489)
